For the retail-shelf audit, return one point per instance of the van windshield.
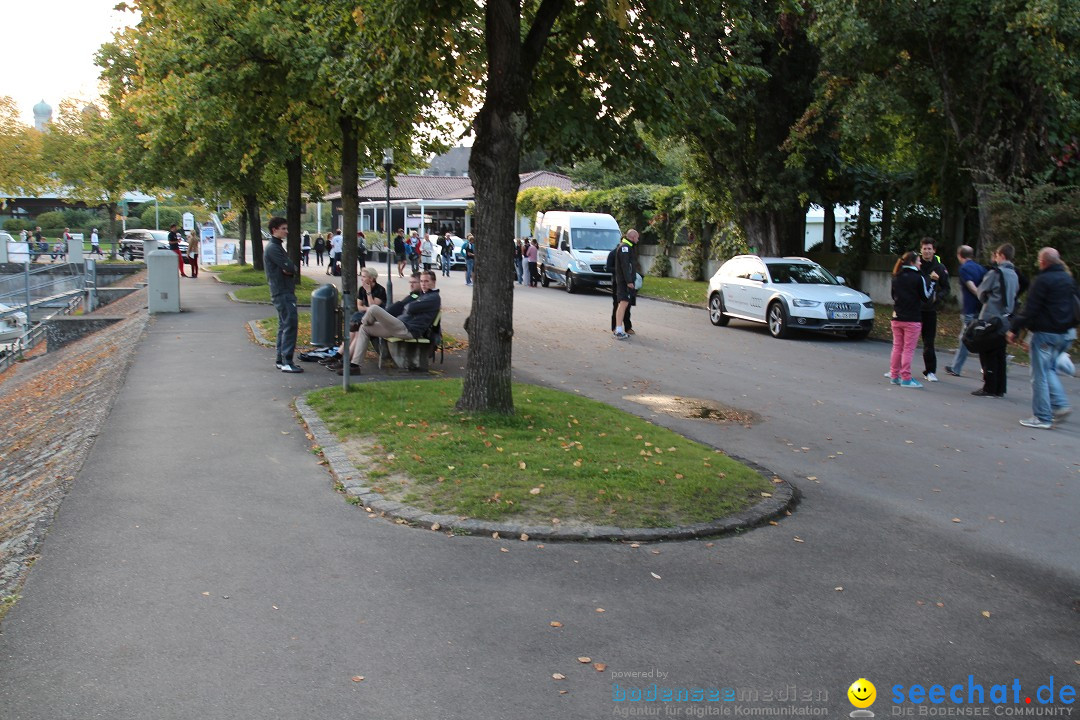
(595, 239)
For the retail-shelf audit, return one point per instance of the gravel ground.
(52, 407)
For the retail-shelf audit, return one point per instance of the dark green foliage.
(1036, 216)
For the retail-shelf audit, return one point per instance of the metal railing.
(36, 287)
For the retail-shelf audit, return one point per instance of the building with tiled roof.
(431, 203)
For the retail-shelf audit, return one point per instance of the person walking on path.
(971, 274)
(305, 250)
(361, 249)
(997, 293)
(174, 244)
(1050, 318)
(469, 249)
(336, 243)
(320, 248)
(95, 243)
(624, 281)
(531, 250)
(427, 252)
(910, 289)
(281, 276)
(193, 253)
(609, 266)
(446, 253)
(933, 270)
(399, 252)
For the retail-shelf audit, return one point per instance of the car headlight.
(869, 304)
(799, 302)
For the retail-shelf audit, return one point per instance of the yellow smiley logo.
(862, 693)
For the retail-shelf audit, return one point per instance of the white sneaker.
(291, 369)
(930, 377)
(1034, 422)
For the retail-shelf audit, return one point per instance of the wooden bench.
(414, 353)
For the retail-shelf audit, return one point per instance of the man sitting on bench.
(414, 322)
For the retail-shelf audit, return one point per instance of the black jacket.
(941, 285)
(909, 291)
(1049, 306)
(276, 264)
(420, 314)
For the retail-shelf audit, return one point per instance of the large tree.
(998, 79)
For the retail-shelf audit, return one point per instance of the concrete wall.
(65, 329)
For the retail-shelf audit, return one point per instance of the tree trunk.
(775, 233)
(251, 207)
(828, 228)
(982, 204)
(294, 170)
(241, 221)
(493, 168)
(113, 234)
(886, 225)
(349, 202)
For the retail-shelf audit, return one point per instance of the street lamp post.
(388, 164)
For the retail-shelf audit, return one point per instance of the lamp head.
(388, 158)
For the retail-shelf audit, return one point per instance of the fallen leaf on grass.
(436, 526)
(534, 491)
(765, 494)
(773, 522)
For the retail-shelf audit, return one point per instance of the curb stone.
(351, 478)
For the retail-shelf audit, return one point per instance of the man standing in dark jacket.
(624, 281)
(1050, 317)
(935, 272)
(281, 276)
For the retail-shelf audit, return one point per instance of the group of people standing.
(989, 295)
(191, 257)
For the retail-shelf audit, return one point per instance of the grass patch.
(6, 603)
(694, 292)
(257, 289)
(589, 461)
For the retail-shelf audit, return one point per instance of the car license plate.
(845, 316)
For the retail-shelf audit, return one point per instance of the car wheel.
(860, 334)
(778, 322)
(716, 310)
(544, 279)
(571, 286)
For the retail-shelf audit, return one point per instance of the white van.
(573, 248)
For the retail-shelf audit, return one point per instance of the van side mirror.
(565, 246)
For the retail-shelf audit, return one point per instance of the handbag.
(984, 335)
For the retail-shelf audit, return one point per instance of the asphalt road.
(202, 567)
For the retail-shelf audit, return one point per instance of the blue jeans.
(445, 265)
(962, 352)
(519, 268)
(1047, 394)
(469, 270)
(285, 304)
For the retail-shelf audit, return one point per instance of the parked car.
(787, 293)
(458, 258)
(573, 248)
(131, 244)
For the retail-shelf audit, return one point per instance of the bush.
(163, 216)
(14, 225)
(134, 223)
(52, 220)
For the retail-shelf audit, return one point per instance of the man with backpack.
(624, 283)
(1050, 316)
